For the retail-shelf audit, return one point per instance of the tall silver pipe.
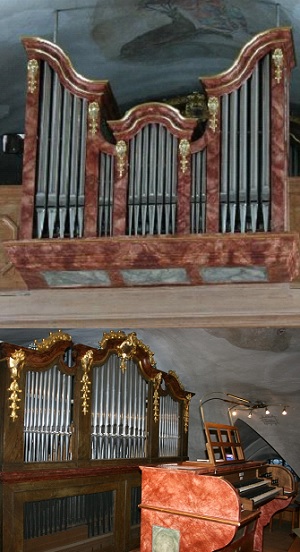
(43, 158)
(233, 159)
(265, 169)
(224, 166)
(254, 129)
(243, 155)
(54, 154)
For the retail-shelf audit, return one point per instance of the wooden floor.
(279, 539)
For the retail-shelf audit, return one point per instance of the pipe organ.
(177, 186)
(78, 422)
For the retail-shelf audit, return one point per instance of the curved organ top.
(95, 174)
(73, 403)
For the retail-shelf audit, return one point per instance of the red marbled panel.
(278, 253)
(189, 496)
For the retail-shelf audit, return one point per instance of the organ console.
(77, 422)
(219, 504)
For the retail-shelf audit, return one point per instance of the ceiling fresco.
(146, 49)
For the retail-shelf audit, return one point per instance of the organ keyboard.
(228, 503)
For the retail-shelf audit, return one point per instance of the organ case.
(77, 423)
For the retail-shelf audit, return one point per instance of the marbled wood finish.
(29, 162)
(279, 253)
(39, 48)
(279, 144)
(266, 513)
(256, 49)
(212, 180)
(91, 188)
(190, 495)
(155, 112)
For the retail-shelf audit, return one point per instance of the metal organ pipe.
(47, 416)
(118, 411)
(265, 169)
(168, 426)
(152, 187)
(60, 183)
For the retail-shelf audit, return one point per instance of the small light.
(284, 412)
(233, 412)
(250, 414)
(267, 411)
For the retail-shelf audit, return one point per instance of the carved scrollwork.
(48, 342)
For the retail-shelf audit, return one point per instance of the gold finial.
(93, 117)
(213, 108)
(16, 364)
(121, 151)
(32, 73)
(278, 62)
(86, 363)
(184, 152)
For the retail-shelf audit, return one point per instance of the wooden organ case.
(221, 504)
(144, 198)
(77, 422)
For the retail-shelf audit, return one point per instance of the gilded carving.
(121, 151)
(213, 108)
(278, 60)
(32, 74)
(184, 152)
(186, 412)
(127, 349)
(174, 375)
(125, 340)
(86, 363)
(93, 117)
(16, 364)
(49, 341)
(157, 382)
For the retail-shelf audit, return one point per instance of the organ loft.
(94, 441)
